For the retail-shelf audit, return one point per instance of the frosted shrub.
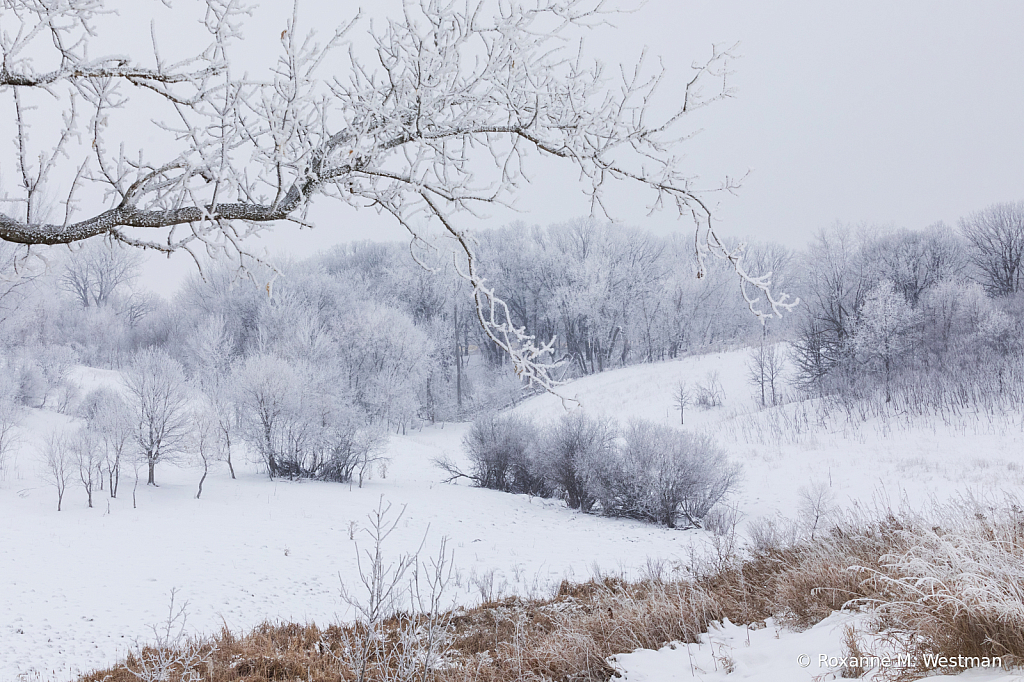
(42, 373)
(499, 449)
(298, 427)
(651, 473)
(709, 392)
(569, 453)
(664, 476)
(31, 385)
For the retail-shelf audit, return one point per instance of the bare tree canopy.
(98, 270)
(996, 235)
(440, 122)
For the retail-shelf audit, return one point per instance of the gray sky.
(906, 113)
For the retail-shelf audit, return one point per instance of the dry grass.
(954, 580)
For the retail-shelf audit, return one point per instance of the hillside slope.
(77, 587)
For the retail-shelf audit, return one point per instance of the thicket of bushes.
(645, 471)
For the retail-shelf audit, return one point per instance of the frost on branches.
(437, 122)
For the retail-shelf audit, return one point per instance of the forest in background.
(362, 340)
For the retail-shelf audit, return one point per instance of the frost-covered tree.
(86, 454)
(441, 119)
(386, 361)
(58, 467)
(885, 332)
(108, 415)
(158, 398)
(996, 236)
(269, 394)
(10, 418)
(300, 422)
(916, 260)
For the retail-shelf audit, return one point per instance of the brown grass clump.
(567, 637)
(950, 585)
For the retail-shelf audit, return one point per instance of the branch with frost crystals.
(441, 122)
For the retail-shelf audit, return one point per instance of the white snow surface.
(77, 587)
(730, 653)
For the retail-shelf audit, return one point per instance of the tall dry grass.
(948, 582)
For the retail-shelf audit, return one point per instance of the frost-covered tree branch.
(438, 120)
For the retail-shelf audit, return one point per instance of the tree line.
(361, 340)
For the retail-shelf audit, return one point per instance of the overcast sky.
(906, 113)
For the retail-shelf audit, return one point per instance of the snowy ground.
(77, 586)
(769, 654)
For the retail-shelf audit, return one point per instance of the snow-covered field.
(769, 654)
(77, 586)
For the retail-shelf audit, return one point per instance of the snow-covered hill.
(77, 586)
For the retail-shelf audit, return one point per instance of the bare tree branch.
(443, 123)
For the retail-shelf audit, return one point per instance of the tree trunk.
(231, 468)
(206, 468)
(458, 362)
(152, 469)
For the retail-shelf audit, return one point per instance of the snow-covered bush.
(663, 475)
(500, 449)
(708, 392)
(570, 451)
(300, 423)
(650, 473)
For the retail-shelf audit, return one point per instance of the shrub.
(709, 392)
(500, 450)
(300, 426)
(664, 475)
(569, 454)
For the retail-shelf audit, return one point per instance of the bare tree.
(58, 466)
(158, 399)
(996, 235)
(708, 392)
(85, 451)
(817, 503)
(682, 396)
(10, 418)
(96, 270)
(444, 124)
(206, 441)
(109, 416)
(764, 371)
